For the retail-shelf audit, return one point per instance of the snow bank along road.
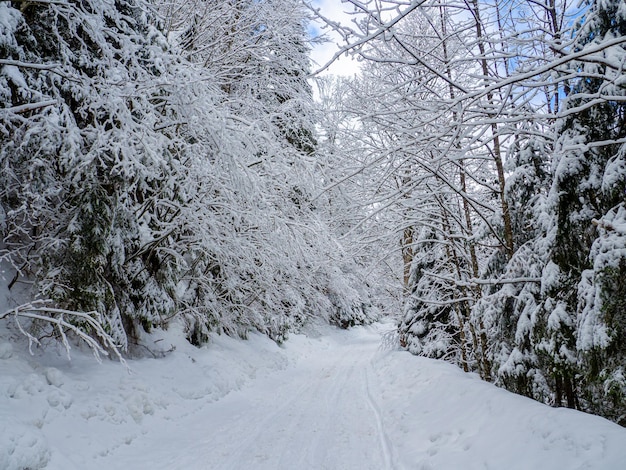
(333, 402)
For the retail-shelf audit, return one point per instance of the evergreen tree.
(82, 160)
(511, 309)
(432, 324)
(588, 189)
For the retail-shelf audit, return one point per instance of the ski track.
(385, 441)
(320, 413)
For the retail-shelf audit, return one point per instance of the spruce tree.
(432, 324)
(511, 310)
(586, 303)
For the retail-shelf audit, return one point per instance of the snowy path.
(319, 414)
(332, 401)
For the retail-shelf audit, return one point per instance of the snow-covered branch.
(24, 108)
(91, 330)
(497, 282)
(41, 2)
(610, 227)
(363, 39)
(19, 63)
(443, 303)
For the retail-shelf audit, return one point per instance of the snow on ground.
(331, 399)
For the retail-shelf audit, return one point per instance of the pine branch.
(443, 303)
(497, 282)
(482, 282)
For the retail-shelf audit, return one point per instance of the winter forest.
(184, 161)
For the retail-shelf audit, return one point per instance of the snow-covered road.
(331, 400)
(319, 414)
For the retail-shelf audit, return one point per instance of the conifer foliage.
(81, 158)
(590, 193)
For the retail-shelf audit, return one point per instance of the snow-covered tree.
(259, 52)
(83, 86)
(149, 177)
(589, 193)
(512, 297)
(433, 320)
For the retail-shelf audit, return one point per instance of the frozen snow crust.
(330, 399)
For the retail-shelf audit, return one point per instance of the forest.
(184, 162)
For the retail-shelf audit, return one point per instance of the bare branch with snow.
(63, 321)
